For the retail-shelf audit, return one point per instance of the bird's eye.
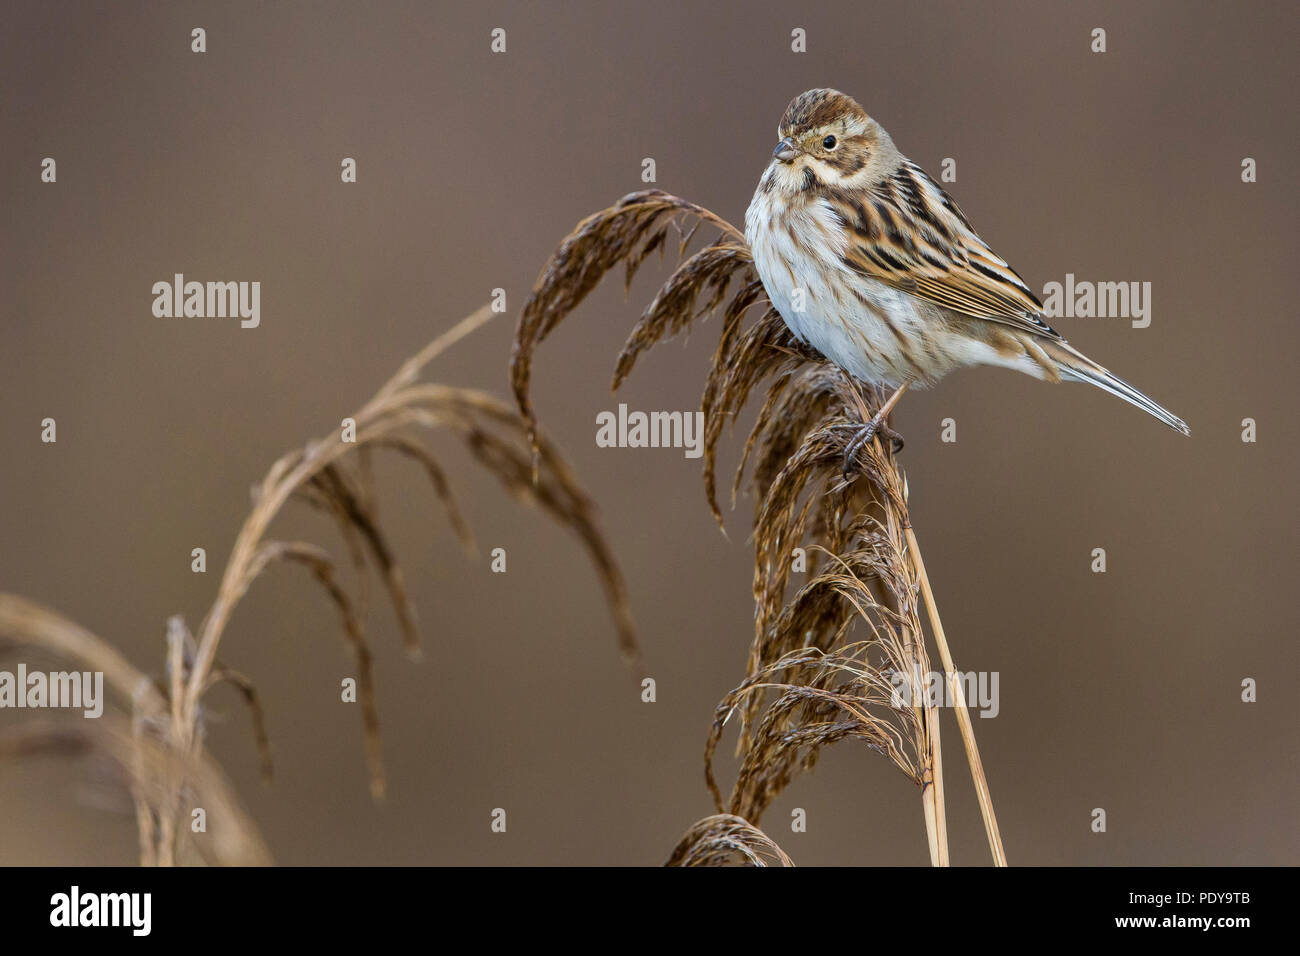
(829, 142)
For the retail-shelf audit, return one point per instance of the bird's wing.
(908, 233)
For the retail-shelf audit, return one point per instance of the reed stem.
(959, 698)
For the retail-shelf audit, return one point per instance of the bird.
(872, 264)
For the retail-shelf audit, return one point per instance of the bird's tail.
(1077, 367)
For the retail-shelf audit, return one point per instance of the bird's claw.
(861, 437)
(895, 439)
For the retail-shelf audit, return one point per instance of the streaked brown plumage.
(869, 261)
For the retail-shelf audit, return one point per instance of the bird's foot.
(895, 439)
(861, 436)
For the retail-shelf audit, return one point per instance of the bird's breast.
(875, 332)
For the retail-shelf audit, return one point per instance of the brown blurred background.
(1119, 691)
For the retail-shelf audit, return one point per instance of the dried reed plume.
(161, 746)
(723, 839)
(809, 682)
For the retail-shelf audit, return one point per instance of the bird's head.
(827, 139)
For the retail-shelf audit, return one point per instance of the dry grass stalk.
(808, 682)
(136, 745)
(332, 474)
(230, 838)
(958, 695)
(726, 840)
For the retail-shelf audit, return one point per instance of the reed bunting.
(872, 264)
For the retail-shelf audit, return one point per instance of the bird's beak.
(785, 150)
